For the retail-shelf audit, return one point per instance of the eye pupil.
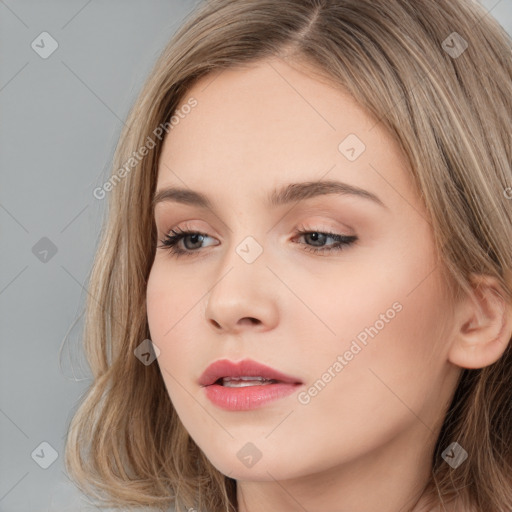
(195, 238)
(316, 236)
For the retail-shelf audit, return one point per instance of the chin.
(263, 470)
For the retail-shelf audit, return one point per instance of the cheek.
(386, 290)
(167, 300)
(388, 319)
(158, 304)
(170, 306)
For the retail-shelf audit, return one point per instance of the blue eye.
(171, 242)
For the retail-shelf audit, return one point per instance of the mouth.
(245, 385)
(242, 382)
(242, 374)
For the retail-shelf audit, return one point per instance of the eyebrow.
(293, 192)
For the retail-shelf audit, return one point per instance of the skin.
(374, 425)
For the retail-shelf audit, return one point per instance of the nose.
(244, 296)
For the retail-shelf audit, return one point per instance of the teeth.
(241, 382)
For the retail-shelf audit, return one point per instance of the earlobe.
(483, 327)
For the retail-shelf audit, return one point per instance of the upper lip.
(245, 368)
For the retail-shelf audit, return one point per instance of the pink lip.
(249, 397)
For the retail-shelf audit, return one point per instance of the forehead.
(270, 123)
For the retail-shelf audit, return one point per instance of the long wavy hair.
(448, 106)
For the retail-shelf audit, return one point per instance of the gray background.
(60, 120)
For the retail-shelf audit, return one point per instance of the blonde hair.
(451, 115)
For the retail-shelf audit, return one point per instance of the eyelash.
(170, 242)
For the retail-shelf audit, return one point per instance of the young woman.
(302, 299)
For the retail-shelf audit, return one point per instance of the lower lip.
(248, 397)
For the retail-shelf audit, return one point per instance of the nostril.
(216, 324)
(251, 320)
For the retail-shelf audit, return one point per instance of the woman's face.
(362, 326)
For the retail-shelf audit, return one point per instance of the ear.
(483, 326)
